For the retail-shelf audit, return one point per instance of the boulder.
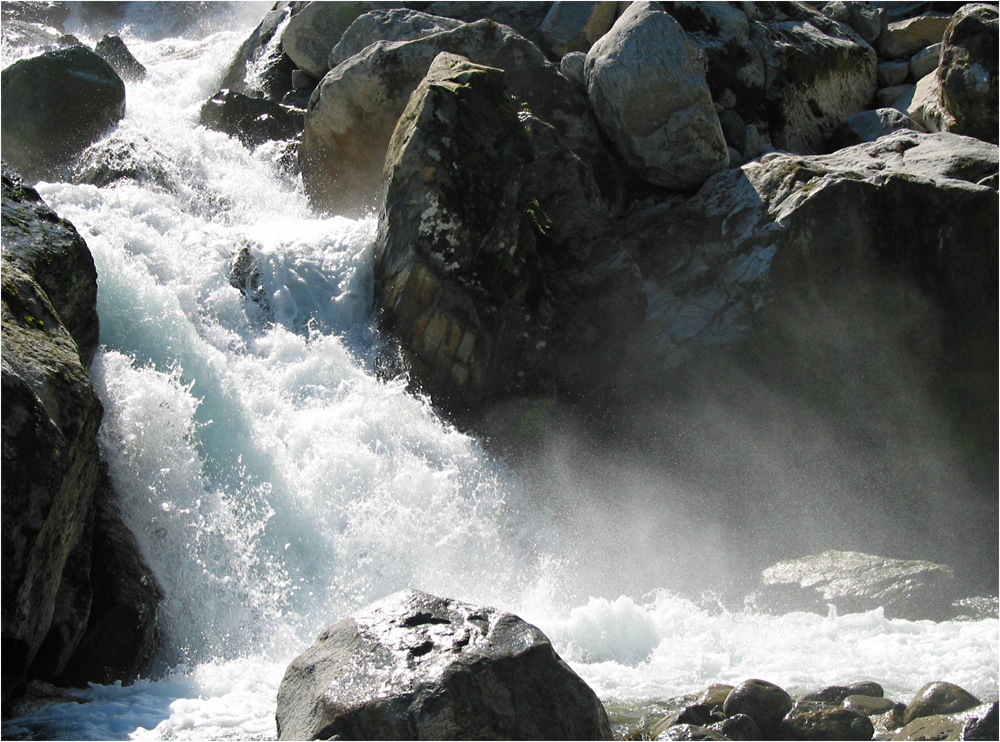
(313, 32)
(968, 71)
(54, 106)
(903, 39)
(926, 107)
(793, 73)
(414, 666)
(125, 156)
(393, 24)
(866, 20)
(737, 727)
(892, 73)
(764, 702)
(251, 120)
(650, 96)
(575, 26)
(68, 564)
(525, 18)
(492, 264)
(976, 723)
(855, 582)
(354, 111)
(868, 126)
(939, 698)
(112, 50)
(51, 415)
(896, 96)
(718, 266)
(816, 721)
(925, 61)
(261, 67)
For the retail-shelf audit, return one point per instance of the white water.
(275, 483)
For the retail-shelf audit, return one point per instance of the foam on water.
(275, 482)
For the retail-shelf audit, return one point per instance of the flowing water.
(276, 482)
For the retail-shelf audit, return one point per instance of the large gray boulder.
(392, 24)
(968, 71)
(650, 96)
(494, 270)
(354, 110)
(58, 566)
(756, 246)
(414, 666)
(315, 30)
(54, 106)
(525, 18)
(854, 582)
(788, 70)
(906, 37)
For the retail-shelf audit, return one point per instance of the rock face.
(492, 267)
(394, 24)
(968, 71)
(413, 666)
(855, 582)
(57, 569)
(354, 110)
(650, 97)
(755, 233)
(112, 50)
(251, 120)
(315, 30)
(54, 105)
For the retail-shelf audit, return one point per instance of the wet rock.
(905, 38)
(394, 24)
(689, 731)
(764, 702)
(737, 727)
(44, 13)
(816, 721)
(251, 120)
(354, 111)
(699, 715)
(855, 582)
(868, 705)
(112, 50)
(651, 98)
(925, 61)
(493, 271)
(575, 26)
(715, 695)
(314, 30)
(54, 106)
(50, 419)
(261, 67)
(835, 694)
(121, 157)
(976, 723)
(939, 698)
(968, 71)
(435, 668)
(868, 126)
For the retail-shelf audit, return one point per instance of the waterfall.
(276, 482)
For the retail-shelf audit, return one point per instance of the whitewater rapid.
(276, 482)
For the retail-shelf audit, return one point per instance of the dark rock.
(51, 415)
(809, 721)
(835, 694)
(734, 129)
(868, 126)
(525, 18)
(892, 73)
(764, 702)
(795, 73)
(251, 120)
(355, 108)
(54, 106)
(737, 727)
(984, 724)
(125, 157)
(493, 270)
(392, 24)
(925, 61)
(112, 50)
(44, 12)
(866, 20)
(575, 26)
(435, 668)
(939, 698)
(261, 68)
(698, 715)
(855, 582)
(968, 71)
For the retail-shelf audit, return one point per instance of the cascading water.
(275, 482)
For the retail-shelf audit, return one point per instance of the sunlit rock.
(968, 71)
(939, 698)
(978, 723)
(315, 29)
(392, 24)
(414, 666)
(906, 37)
(650, 95)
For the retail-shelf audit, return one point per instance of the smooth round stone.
(764, 702)
(939, 698)
(816, 721)
(868, 705)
